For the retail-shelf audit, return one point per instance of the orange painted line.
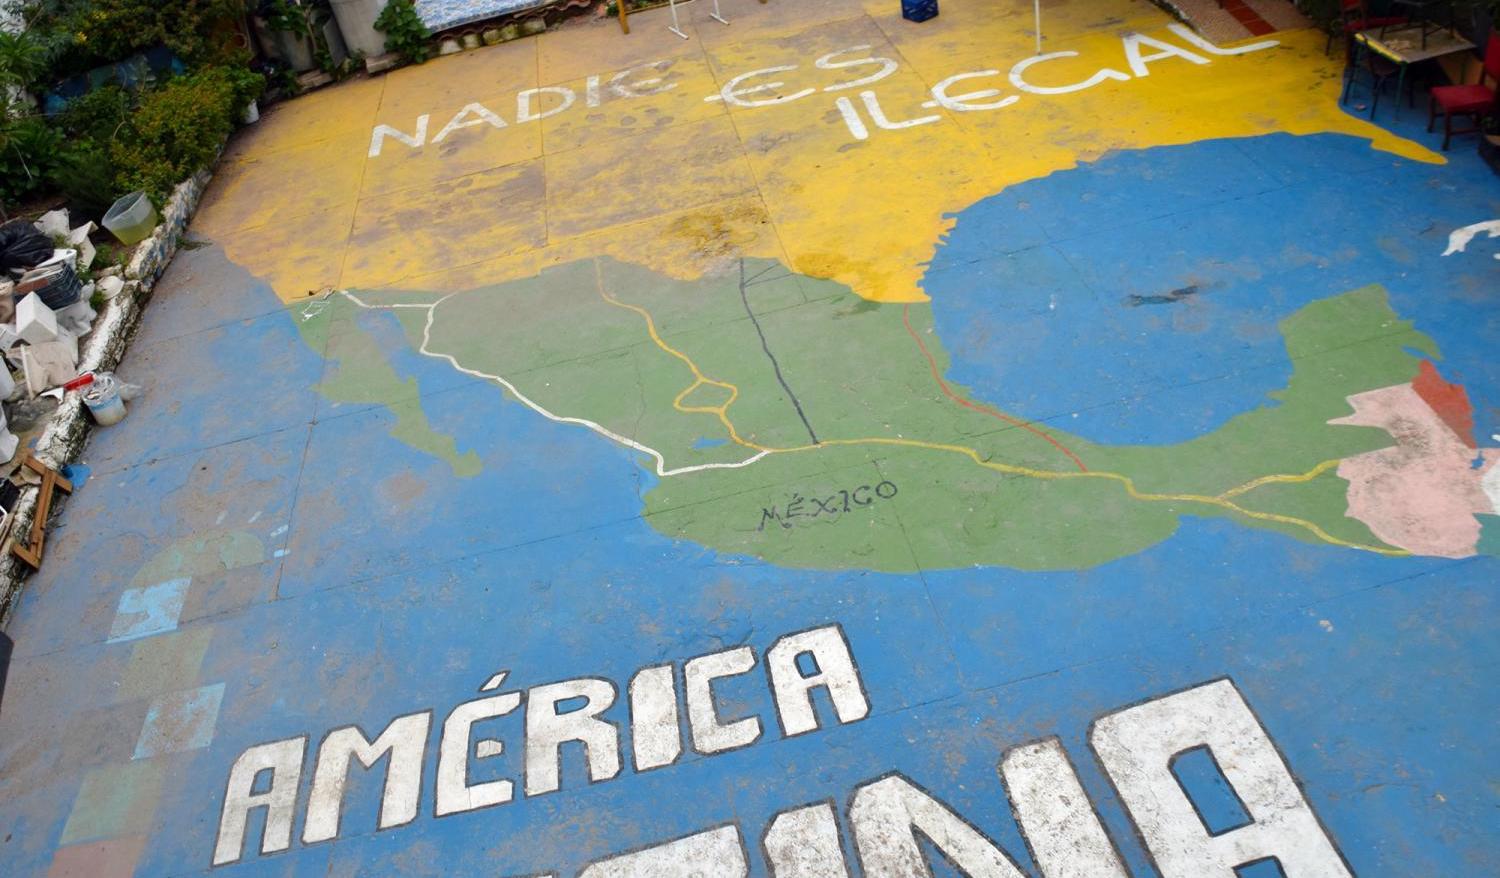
(982, 409)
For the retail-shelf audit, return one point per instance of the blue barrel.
(918, 10)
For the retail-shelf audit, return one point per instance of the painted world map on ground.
(829, 445)
(1086, 411)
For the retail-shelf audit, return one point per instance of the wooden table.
(1404, 46)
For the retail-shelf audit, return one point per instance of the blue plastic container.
(918, 10)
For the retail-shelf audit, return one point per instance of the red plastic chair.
(1474, 101)
(1353, 18)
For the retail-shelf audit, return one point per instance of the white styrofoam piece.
(69, 256)
(86, 254)
(82, 233)
(111, 286)
(78, 318)
(7, 387)
(35, 322)
(8, 336)
(54, 223)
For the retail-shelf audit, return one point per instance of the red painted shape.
(1249, 18)
(982, 409)
(1450, 401)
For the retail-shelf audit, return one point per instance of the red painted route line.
(982, 409)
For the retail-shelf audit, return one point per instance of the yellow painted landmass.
(680, 184)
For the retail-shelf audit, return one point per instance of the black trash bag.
(22, 246)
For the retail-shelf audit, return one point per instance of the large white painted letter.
(1066, 837)
(454, 792)
(733, 93)
(547, 730)
(887, 815)
(404, 741)
(1018, 78)
(640, 87)
(283, 759)
(655, 737)
(887, 67)
(524, 111)
(1138, 62)
(717, 852)
(877, 115)
(965, 103)
(1137, 745)
(833, 670)
(709, 734)
(804, 843)
(413, 140)
(481, 114)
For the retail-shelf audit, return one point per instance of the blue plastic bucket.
(919, 10)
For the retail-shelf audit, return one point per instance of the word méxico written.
(765, 88)
(555, 714)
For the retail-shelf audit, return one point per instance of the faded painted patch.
(150, 610)
(180, 721)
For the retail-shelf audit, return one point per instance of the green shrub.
(85, 173)
(23, 59)
(176, 131)
(245, 84)
(83, 34)
(99, 115)
(29, 151)
(405, 34)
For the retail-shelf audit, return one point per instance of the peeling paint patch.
(180, 721)
(150, 610)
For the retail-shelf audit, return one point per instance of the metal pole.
(674, 28)
(1039, 27)
(717, 16)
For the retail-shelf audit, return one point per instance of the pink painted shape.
(112, 858)
(1422, 493)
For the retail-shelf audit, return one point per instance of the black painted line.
(796, 403)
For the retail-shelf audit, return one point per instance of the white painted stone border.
(68, 427)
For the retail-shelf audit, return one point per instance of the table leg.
(1400, 84)
(1351, 70)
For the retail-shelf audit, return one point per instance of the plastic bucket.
(104, 402)
(919, 10)
(356, 20)
(131, 219)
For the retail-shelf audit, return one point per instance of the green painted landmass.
(866, 462)
(360, 373)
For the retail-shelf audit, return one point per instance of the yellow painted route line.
(1308, 476)
(699, 379)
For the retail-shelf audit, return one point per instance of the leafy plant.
(98, 115)
(176, 131)
(405, 34)
(83, 34)
(23, 59)
(29, 150)
(304, 19)
(86, 174)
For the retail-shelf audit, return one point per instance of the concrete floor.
(826, 443)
